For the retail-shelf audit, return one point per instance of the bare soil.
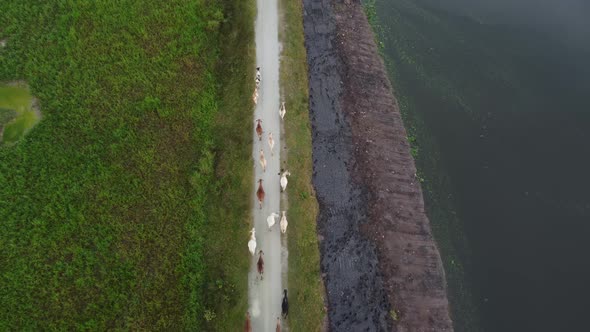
(375, 235)
(354, 288)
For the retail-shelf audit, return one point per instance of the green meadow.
(16, 114)
(109, 206)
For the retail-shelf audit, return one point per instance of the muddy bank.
(380, 264)
(348, 260)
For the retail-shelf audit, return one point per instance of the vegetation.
(229, 207)
(6, 115)
(394, 315)
(305, 284)
(16, 115)
(110, 206)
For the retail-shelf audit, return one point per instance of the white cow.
(284, 180)
(271, 143)
(262, 161)
(255, 96)
(284, 223)
(282, 110)
(271, 220)
(252, 242)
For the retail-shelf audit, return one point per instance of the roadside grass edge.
(304, 278)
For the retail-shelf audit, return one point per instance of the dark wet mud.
(380, 264)
(354, 288)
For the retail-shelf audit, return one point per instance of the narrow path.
(265, 295)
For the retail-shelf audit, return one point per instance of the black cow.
(285, 305)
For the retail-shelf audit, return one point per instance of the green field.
(109, 207)
(16, 115)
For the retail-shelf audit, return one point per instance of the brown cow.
(248, 326)
(259, 129)
(260, 265)
(260, 193)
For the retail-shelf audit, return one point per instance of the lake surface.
(501, 112)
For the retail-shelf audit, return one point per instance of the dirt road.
(265, 295)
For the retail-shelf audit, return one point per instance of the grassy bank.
(305, 285)
(229, 208)
(110, 206)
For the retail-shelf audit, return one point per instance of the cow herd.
(260, 195)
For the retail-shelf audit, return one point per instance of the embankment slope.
(375, 233)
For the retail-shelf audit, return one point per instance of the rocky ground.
(380, 264)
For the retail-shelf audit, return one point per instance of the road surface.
(265, 295)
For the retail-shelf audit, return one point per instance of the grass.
(305, 284)
(15, 129)
(6, 115)
(18, 117)
(229, 209)
(14, 97)
(110, 206)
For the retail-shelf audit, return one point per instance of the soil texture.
(380, 263)
(354, 287)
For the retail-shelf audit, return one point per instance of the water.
(500, 109)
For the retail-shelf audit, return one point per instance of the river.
(498, 109)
